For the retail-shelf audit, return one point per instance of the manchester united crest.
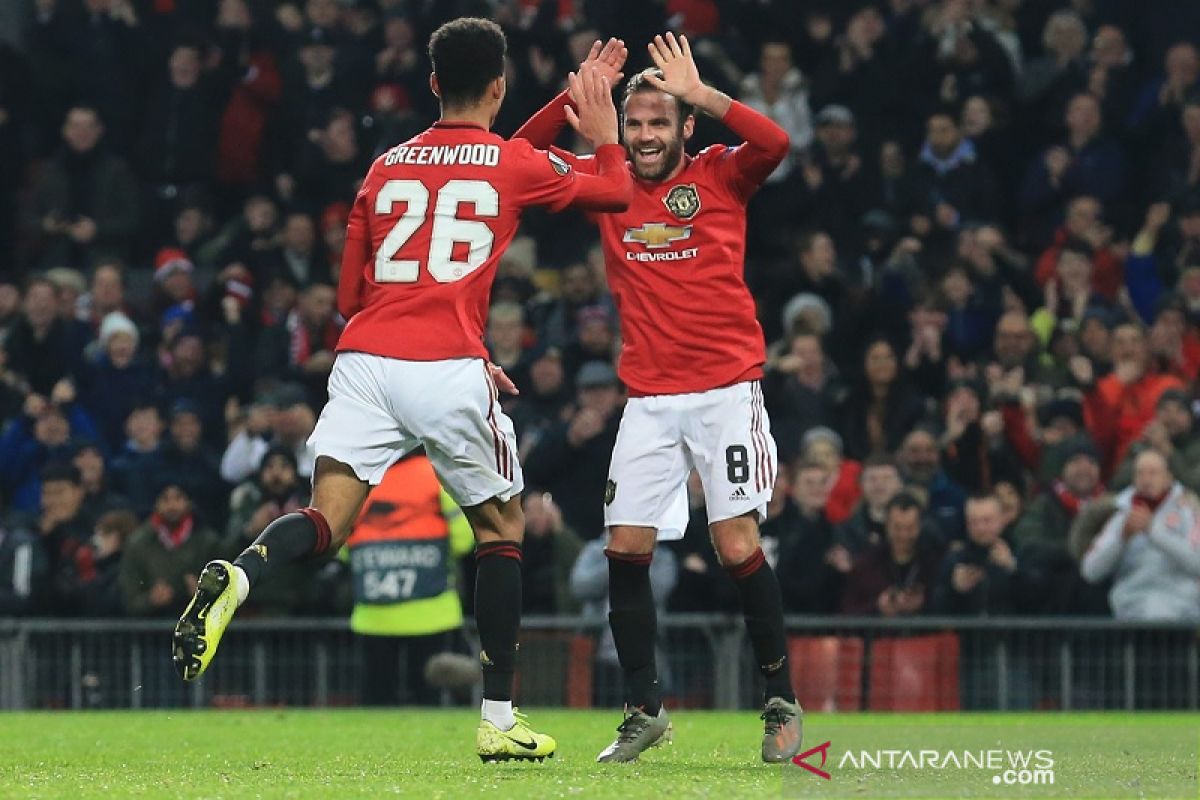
(683, 201)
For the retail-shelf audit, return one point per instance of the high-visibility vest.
(404, 555)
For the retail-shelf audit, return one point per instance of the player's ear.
(689, 126)
(498, 88)
(433, 85)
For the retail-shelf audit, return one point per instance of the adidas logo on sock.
(739, 494)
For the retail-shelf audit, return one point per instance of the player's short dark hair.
(905, 501)
(638, 83)
(467, 55)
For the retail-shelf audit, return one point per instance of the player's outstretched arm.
(766, 144)
(543, 127)
(595, 120)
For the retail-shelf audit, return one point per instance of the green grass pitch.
(430, 754)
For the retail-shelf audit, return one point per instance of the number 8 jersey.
(430, 224)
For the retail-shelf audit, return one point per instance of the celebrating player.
(692, 360)
(426, 233)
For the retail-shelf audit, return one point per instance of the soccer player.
(426, 232)
(692, 360)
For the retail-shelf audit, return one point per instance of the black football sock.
(290, 538)
(634, 624)
(762, 606)
(498, 614)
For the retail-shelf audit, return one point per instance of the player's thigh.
(647, 476)
(357, 430)
(469, 439)
(729, 440)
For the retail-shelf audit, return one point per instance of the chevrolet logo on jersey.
(658, 234)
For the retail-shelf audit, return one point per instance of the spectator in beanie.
(175, 294)
(159, 567)
(114, 378)
(821, 445)
(800, 388)
(276, 489)
(834, 180)
(84, 205)
(897, 576)
(188, 375)
(1150, 548)
(1040, 539)
(571, 460)
(595, 339)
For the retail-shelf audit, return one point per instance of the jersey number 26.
(447, 231)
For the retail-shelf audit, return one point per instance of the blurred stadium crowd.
(978, 274)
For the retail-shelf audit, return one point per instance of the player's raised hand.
(681, 77)
(595, 116)
(607, 58)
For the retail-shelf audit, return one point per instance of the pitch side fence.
(839, 664)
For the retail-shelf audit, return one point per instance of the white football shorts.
(381, 408)
(723, 433)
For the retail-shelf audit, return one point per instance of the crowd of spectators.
(978, 276)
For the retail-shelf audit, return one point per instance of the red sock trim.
(749, 566)
(324, 534)
(642, 559)
(503, 548)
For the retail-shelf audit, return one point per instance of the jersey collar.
(460, 125)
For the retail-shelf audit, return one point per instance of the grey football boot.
(637, 733)
(783, 730)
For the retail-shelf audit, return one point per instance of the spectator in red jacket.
(1120, 405)
(1085, 222)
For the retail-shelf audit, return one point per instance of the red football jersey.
(676, 262)
(429, 226)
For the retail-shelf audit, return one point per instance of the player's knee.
(631, 540)
(735, 540)
(496, 520)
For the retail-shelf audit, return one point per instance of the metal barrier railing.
(838, 663)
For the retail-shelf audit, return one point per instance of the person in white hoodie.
(1151, 547)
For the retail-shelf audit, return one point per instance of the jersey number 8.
(448, 229)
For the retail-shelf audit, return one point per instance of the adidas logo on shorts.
(739, 494)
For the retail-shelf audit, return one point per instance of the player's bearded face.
(653, 135)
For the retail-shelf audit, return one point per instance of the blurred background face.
(184, 67)
(51, 428)
(121, 348)
(943, 135)
(1074, 271)
(318, 304)
(172, 505)
(919, 456)
(1182, 65)
(577, 285)
(505, 329)
(1129, 344)
(41, 304)
(819, 258)
(1013, 340)
(812, 489)
(984, 521)
(880, 484)
(299, 233)
(90, 464)
(880, 364)
(601, 399)
(775, 60)
(188, 352)
(1081, 475)
(186, 431)
(278, 476)
(823, 452)
(144, 426)
(1083, 214)
(1083, 117)
(547, 375)
(836, 137)
(976, 116)
(1009, 498)
(1176, 418)
(903, 526)
(1151, 477)
(82, 130)
(61, 499)
(108, 289)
